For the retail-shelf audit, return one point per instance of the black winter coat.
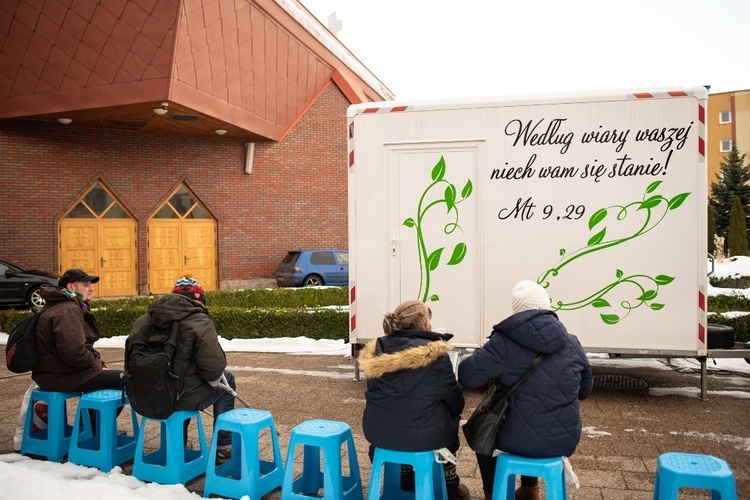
(413, 399)
(543, 419)
(201, 355)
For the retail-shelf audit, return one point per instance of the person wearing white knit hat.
(529, 295)
(543, 419)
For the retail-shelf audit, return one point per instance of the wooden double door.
(99, 236)
(176, 247)
(105, 248)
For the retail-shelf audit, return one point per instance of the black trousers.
(487, 470)
(106, 379)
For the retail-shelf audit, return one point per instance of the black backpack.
(21, 355)
(155, 379)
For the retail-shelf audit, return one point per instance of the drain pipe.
(249, 157)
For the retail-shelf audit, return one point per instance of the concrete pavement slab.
(625, 430)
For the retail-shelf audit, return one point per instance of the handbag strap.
(534, 363)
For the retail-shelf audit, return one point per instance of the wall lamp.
(220, 131)
(163, 109)
(65, 121)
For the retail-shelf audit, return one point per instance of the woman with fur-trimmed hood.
(414, 402)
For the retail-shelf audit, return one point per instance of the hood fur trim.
(414, 358)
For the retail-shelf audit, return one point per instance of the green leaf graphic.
(654, 208)
(663, 279)
(468, 188)
(439, 170)
(598, 216)
(450, 197)
(409, 222)
(610, 319)
(434, 259)
(597, 238)
(651, 202)
(600, 302)
(434, 298)
(652, 186)
(459, 252)
(677, 200)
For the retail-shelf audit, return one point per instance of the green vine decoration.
(429, 260)
(656, 207)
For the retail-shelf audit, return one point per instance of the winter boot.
(456, 491)
(527, 492)
(459, 492)
(223, 454)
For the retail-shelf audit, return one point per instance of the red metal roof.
(251, 67)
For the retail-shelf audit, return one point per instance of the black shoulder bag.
(481, 428)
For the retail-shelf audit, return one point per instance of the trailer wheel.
(720, 336)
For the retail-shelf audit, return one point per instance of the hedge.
(731, 303)
(315, 313)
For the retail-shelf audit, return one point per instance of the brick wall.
(296, 195)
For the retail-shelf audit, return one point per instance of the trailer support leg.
(704, 381)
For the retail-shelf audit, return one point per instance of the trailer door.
(433, 230)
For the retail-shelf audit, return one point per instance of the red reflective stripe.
(701, 146)
(701, 334)
(371, 110)
(399, 108)
(677, 93)
(643, 95)
(702, 114)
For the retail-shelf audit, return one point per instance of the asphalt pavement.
(635, 414)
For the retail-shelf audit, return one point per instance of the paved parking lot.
(634, 414)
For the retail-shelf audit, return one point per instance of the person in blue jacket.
(414, 402)
(543, 419)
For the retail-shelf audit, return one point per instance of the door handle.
(102, 261)
(185, 260)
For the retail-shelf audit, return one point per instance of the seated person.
(544, 416)
(413, 400)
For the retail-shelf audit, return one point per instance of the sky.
(438, 49)
(72, 482)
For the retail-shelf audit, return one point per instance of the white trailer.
(601, 198)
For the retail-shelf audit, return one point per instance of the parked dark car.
(20, 287)
(314, 268)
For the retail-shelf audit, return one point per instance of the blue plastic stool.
(508, 466)
(106, 448)
(429, 477)
(245, 473)
(54, 441)
(172, 463)
(329, 437)
(678, 470)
